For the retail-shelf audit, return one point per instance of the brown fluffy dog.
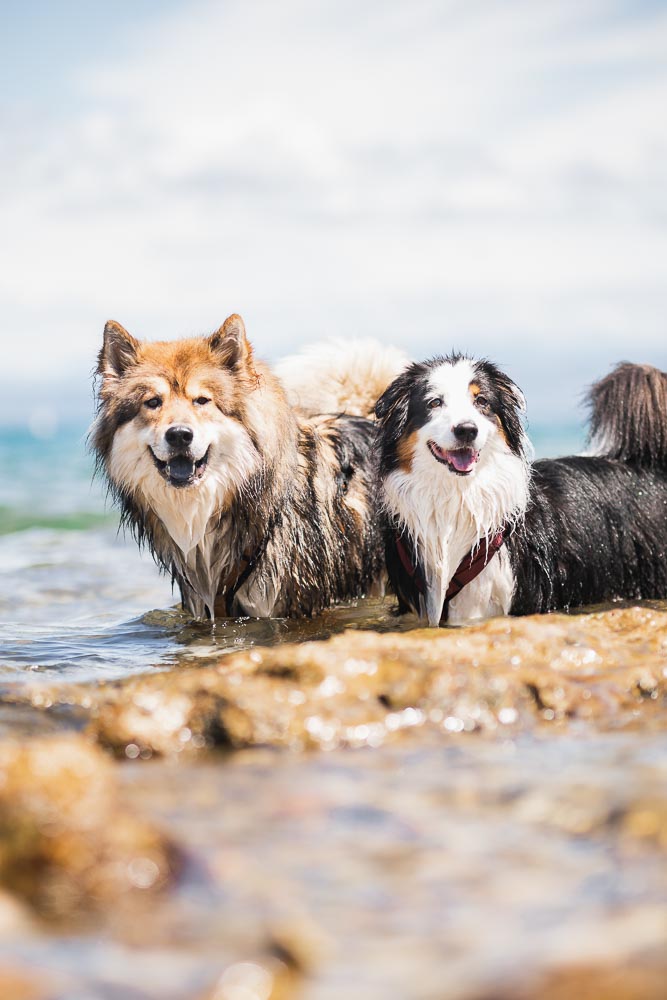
(254, 506)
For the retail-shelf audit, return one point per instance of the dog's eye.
(482, 402)
(433, 404)
(154, 403)
(201, 401)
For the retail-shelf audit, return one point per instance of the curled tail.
(628, 419)
(340, 376)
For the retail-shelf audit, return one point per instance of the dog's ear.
(119, 351)
(517, 395)
(229, 344)
(510, 391)
(509, 404)
(392, 407)
(512, 415)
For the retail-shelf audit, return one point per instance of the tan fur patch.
(474, 390)
(501, 429)
(405, 451)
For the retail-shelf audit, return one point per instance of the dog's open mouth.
(460, 460)
(181, 470)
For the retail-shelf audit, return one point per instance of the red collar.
(470, 566)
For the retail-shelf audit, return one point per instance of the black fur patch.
(403, 583)
(400, 410)
(595, 530)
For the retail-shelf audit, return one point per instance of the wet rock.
(643, 978)
(17, 984)
(605, 670)
(266, 978)
(15, 918)
(68, 845)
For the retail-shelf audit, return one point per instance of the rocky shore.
(469, 813)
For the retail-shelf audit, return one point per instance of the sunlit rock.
(68, 845)
(606, 670)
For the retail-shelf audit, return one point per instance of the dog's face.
(449, 416)
(172, 416)
(174, 421)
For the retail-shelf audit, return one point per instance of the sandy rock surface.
(605, 670)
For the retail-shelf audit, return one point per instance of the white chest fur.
(488, 594)
(446, 516)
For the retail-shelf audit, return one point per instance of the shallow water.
(73, 607)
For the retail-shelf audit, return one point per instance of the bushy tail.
(340, 376)
(629, 416)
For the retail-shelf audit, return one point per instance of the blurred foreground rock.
(643, 979)
(489, 822)
(68, 845)
(19, 985)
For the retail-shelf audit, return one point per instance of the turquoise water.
(79, 601)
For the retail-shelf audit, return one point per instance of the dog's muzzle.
(458, 460)
(181, 469)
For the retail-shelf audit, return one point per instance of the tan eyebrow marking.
(475, 389)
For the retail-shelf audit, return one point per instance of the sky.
(461, 174)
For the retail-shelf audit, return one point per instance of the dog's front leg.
(437, 582)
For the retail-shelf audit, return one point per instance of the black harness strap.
(230, 591)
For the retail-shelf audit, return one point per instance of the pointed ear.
(229, 344)
(119, 351)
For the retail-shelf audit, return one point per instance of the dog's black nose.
(179, 436)
(465, 432)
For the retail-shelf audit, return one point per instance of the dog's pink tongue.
(462, 460)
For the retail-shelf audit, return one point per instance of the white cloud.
(490, 175)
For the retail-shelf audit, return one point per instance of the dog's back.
(596, 527)
(339, 376)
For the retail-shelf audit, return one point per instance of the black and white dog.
(474, 529)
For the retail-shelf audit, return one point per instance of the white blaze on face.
(451, 384)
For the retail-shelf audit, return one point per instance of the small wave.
(13, 520)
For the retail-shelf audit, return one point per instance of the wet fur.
(584, 529)
(284, 520)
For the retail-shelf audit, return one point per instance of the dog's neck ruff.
(468, 569)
